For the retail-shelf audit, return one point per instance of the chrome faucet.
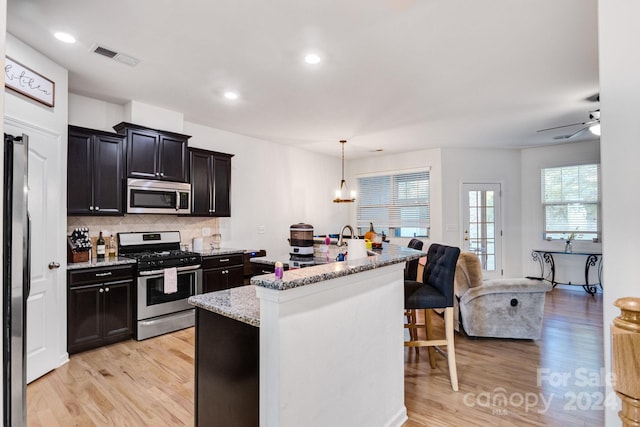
(353, 234)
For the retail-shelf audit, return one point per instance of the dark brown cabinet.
(154, 154)
(99, 307)
(210, 177)
(227, 371)
(222, 272)
(95, 172)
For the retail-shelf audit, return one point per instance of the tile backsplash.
(189, 227)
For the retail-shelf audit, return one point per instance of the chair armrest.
(502, 286)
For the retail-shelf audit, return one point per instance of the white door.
(482, 226)
(45, 320)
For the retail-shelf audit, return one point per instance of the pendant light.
(342, 193)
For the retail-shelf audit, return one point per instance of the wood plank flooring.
(554, 381)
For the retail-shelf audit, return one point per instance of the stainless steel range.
(167, 276)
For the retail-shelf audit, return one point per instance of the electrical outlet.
(261, 229)
(206, 231)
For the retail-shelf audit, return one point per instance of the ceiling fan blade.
(560, 127)
(576, 133)
(590, 122)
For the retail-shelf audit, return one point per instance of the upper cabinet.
(210, 174)
(154, 154)
(95, 172)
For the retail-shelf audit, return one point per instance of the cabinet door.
(222, 186)
(117, 311)
(79, 177)
(108, 175)
(218, 279)
(84, 319)
(201, 181)
(214, 280)
(142, 154)
(173, 158)
(235, 276)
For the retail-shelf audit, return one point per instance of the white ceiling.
(396, 74)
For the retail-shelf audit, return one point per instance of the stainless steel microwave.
(158, 197)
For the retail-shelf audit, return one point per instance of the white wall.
(484, 166)
(272, 185)
(533, 160)
(619, 34)
(94, 114)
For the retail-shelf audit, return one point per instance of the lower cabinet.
(99, 307)
(227, 371)
(222, 272)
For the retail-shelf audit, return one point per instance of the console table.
(593, 259)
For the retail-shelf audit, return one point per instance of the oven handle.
(180, 269)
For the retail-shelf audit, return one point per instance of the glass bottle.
(100, 247)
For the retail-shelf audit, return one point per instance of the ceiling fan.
(593, 124)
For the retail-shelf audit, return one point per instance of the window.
(571, 201)
(397, 204)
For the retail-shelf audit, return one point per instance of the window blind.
(571, 201)
(394, 201)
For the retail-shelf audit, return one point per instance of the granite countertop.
(221, 251)
(96, 263)
(237, 303)
(390, 254)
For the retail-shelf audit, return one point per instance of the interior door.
(482, 226)
(45, 315)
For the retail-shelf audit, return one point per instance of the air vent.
(116, 56)
(105, 52)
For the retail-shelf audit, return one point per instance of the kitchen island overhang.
(330, 341)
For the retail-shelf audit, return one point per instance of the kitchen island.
(323, 346)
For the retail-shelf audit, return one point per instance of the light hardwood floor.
(555, 381)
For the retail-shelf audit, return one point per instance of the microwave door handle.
(177, 200)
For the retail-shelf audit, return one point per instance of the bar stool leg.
(451, 352)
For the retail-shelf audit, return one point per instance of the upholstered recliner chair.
(500, 308)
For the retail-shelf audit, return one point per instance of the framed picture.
(27, 82)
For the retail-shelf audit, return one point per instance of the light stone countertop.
(243, 305)
(221, 251)
(390, 254)
(237, 303)
(95, 263)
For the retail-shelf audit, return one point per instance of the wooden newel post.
(625, 334)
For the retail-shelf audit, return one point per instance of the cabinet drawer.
(222, 261)
(100, 275)
(259, 268)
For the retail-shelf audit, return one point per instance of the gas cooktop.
(154, 250)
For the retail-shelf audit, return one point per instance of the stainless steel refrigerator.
(15, 279)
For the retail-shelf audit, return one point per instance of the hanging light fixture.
(343, 192)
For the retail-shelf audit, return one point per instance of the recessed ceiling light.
(230, 95)
(312, 58)
(64, 37)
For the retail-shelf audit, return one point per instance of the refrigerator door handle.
(27, 279)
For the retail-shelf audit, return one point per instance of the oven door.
(152, 299)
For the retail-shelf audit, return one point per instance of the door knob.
(53, 265)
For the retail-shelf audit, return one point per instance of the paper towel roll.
(357, 249)
(197, 244)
